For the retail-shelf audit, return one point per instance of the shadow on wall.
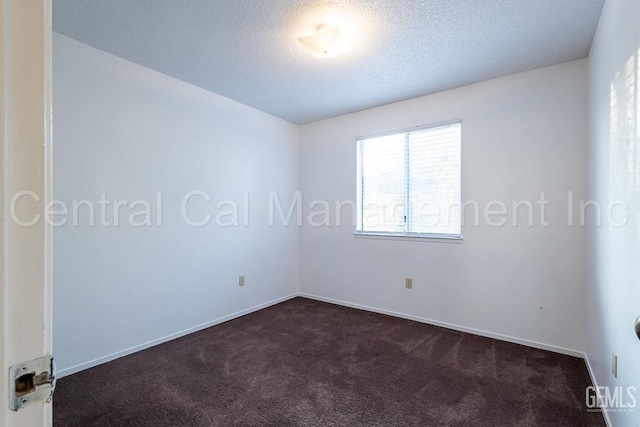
(615, 252)
(623, 244)
(624, 136)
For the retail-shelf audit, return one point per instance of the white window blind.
(409, 182)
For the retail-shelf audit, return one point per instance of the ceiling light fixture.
(327, 42)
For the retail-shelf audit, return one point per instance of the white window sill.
(437, 238)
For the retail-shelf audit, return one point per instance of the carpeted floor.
(307, 363)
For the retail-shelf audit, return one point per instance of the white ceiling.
(247, 49)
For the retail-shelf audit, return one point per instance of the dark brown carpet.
(307, 363)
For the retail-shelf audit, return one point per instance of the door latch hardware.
(31, 382)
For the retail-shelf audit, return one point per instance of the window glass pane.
(382, 183)
(434, 180)
(409, 182)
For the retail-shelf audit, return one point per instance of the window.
(409, 183)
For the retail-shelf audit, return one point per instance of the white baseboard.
(595, 384)
(501, 337)
(99, 361)
(95, 362)
(104, 359)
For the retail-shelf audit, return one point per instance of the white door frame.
(25, 165)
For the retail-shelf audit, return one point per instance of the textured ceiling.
(247, 50)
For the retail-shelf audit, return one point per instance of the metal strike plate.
(31, 382)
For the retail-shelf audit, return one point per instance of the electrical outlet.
(408, 283)
(241, 281)
(614, 364)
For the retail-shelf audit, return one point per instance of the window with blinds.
(409, 183)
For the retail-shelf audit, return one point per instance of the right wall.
(614, 182)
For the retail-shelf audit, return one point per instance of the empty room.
(320, 213)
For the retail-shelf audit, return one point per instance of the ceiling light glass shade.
(327, 42)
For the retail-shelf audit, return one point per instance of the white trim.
(605, 414)
(418, 237)
(411, 129)
(528, 343)
(108, 358)
(48, 178)
(4, 165)
(104, 359)
(534, 344)
(25, 164)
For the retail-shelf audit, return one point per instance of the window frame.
(415, 236)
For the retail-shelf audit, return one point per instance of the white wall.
(128, 131)
(522, 135)
(614, 175)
